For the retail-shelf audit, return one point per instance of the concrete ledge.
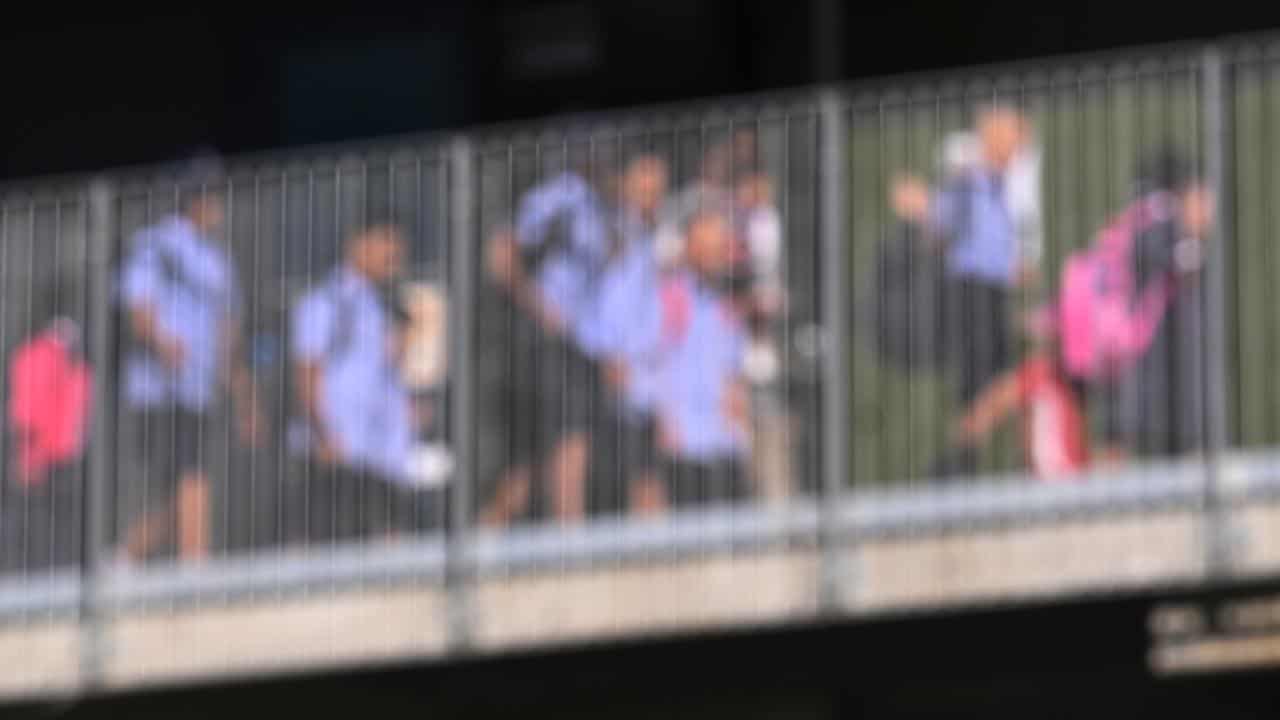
(608, 601)
(40, 659)
(697, 593)
(1259, 532)
(550, 608)
(320, 631)
(1029, 561)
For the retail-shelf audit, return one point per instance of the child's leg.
(648, 495)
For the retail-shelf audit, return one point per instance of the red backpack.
(49, 402)
(1104, 321)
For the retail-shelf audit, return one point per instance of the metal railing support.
(1216, 97)
(835, 583)
(100, 328)
(462, 249)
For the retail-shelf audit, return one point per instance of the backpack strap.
(174, 270)
(342, 336)
(556, 237)
(300, 432)
(171, 268)
(961, 187)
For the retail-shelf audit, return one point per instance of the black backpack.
(903, 312)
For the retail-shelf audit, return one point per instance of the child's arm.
(737, 405)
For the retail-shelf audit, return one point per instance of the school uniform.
(981, 264)
(628, 329)
(550, 384)
(344, 327)
(189, 283)
(702, 358)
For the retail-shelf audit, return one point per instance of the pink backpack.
(1104, 322)
(50, 390)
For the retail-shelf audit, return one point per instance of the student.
(182, 307)
(986, 260)
(986, 218)
(628, 335)
(703, 413)
(356, 415)
(548, 267)
(423, 367)
(759, 229)
(1157, 403)
(759, 232)
(50, 392)
(726, 158)
(1050, 407)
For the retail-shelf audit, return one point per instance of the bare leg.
(147, 532)
(567, 471)
(1111, 456)
(770, 459)
(648, 496)
(511, 498)
(193, 514)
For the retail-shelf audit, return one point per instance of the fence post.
(101, 450)
(462, 255)
(1219, 544)
(833, 202)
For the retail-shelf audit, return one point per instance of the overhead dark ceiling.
(98, 88)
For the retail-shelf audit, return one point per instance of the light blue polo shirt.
(984, 235)
(696, 369)
(628, 318)
(190, 283)
(344, 327)
(569, 277)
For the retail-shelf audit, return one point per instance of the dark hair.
(1165, 168)
(200, 171)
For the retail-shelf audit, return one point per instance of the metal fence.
(838, 489)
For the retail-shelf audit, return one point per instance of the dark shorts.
(551, 389)
(624, 447)
(1156, 413)
(330, 503)
(978, 334)
(1110, 430)
(172, 441)
(633, 444)
(692, 484)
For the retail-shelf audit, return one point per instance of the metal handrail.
(868, 514)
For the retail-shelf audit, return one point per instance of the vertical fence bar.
(99, 329)
(1217, 144)
(833, 199)
(461, 254)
